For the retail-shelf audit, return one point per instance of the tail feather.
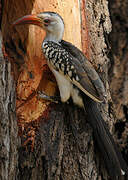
(112, 157)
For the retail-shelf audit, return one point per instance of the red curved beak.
(28, 19)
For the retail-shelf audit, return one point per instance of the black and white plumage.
(70, 71)
(77, 78)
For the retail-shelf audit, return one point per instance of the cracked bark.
(8, 123)
(63, 141)
(118, 71)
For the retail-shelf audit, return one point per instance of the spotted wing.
(77, 70)
(93, 82)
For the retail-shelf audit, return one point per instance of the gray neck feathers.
(55, 32)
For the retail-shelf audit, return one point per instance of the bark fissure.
(8, 124)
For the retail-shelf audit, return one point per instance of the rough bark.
(8, 123)
(55, 140)
(118, 71)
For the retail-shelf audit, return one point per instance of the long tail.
(112, 157)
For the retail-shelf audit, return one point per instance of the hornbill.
(76, 78)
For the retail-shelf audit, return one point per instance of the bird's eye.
(46, 21)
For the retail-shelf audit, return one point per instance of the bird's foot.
(55, 99)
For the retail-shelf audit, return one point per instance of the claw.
(42, 95)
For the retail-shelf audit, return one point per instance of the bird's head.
(51, 22)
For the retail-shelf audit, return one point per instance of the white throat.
(55, 32)
(56, 37)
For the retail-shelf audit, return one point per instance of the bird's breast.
(60, 59)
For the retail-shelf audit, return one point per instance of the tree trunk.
(8, 123)
(118, 71)
(52, 141)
